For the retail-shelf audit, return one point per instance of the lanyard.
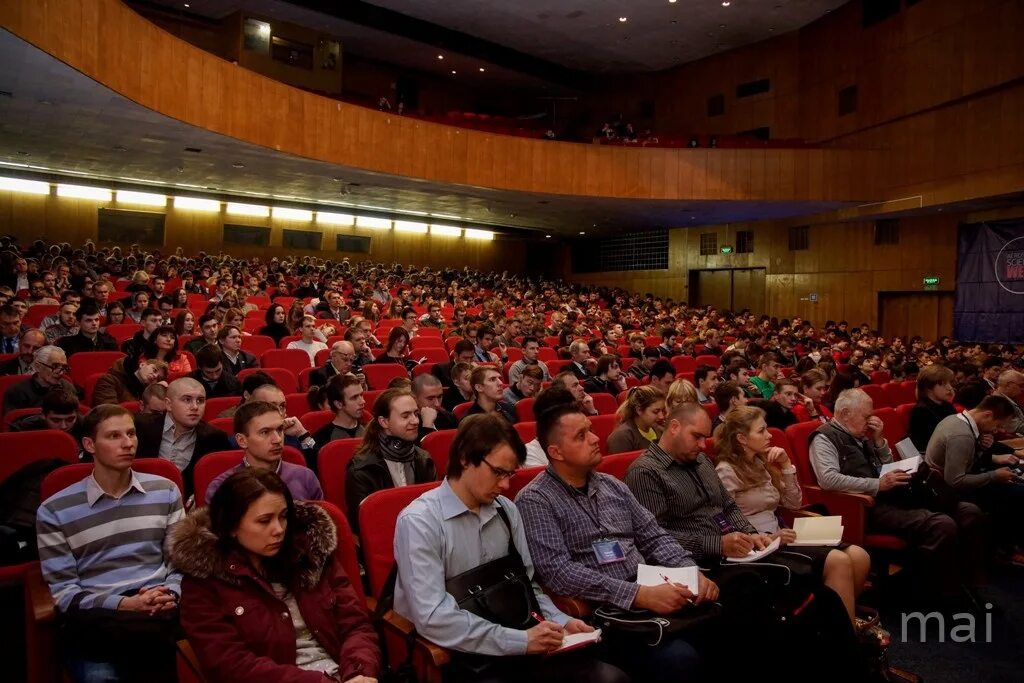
(593, 512)
(970, 426)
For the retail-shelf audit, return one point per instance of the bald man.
(179, 434)
(1011, 385)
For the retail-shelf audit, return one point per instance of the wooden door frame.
(693, 275)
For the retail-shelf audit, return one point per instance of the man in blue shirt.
(455, 528)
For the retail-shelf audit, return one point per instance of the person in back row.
(433, 416)
(389, 456)
(488, 390)
(344, 395)
(59, 410)
(259, 432)
(234, 358)
(527, 387)
(212, 376)
(263, 598)
(89, 337)
(461, 526)
(641, 418)
(101, 547)
(179, 434)
(531, 351)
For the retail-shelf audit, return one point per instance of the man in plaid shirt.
(587, 535)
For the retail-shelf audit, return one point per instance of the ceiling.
(587, 34)
(57, 122)
(578, 35)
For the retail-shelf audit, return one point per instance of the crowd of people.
(248, 571)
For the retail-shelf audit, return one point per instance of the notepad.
(755, 555)
(650, 575)
(910, 458)
(818, 531)
(575, 640)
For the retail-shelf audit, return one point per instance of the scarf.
(400, 451)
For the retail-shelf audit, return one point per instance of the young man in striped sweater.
(101, 547)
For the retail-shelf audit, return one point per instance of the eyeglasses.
(57, 368)
(498, 472)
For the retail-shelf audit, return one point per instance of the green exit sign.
(726, 250)
(931, 281)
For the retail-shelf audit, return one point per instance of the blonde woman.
(641, 420)
(760, 478)
(680, 391)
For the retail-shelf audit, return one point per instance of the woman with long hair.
(263, 597)
(760, 478)
(276, 327)
(115, 313)
(840, 382)
(680, 391)
(641, 420)
(934, 403)
(180, 298)
(295, 316)
(184, 323)
(389, 456)
(163, 345)
(813, 386)
(396, 350)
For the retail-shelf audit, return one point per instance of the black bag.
(649, 628)
(931, 490)
(500, 590)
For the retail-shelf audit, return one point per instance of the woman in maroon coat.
(263, 599)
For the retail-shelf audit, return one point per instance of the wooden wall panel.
(72, 220)
(113, 45)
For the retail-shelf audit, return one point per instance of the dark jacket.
(925, 416)
(13, 367)
(453, 397)
(134, 347)
(226, 385)
(34, 423)
(194, 345)
(244, 360)
(575, 369)
(367, 473)
(596, 385)
(505, 409)
(445, 420)
(443, 372)
(150, 428)
(29, 393)
(77, 343)
(117, 385)
(238, 627)
(320, 376)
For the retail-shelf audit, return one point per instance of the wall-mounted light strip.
(286, 213)
(445, 230)
(237, 209)
(373, 223)
(100, 194)
(479, 234)
(143, 198)
(196, 204)
(328, 218)
(27, 186)
(411, 226)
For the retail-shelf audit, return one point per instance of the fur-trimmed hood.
(194, 548)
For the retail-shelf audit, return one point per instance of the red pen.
(667, 580)
(538, 617)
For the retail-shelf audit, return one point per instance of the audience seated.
(389, 456)
(208, 328)
(308, 343)
(137, 344)
(433, 417)
(461, 389)
(344, 395)
(339, 362)
(211, 374)
(813, 385)
(51, 366)
(531, 350)
(259, 432)
(235, 359)
(27, 344)
(488, 392)
(1011, 385)
(101, 546)
(59, 410)
(89, 337)
(607, 377)
(179, 434)
(253, 557)
(462, 528)
(527, 386)
(641, 419)
(706, 380)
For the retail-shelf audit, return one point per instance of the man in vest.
(847, 454)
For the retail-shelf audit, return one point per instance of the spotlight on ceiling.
(623, 19)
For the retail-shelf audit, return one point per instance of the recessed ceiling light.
(453, 72)
(187, 5)
(583, 232)
(440, 56)
(482, 69)
(671, 2)
(726, 3)
(623, 19)
(549, 236)
(238, 164)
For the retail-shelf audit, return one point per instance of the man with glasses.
(38, 294)
(457, 527)
(89, 337)
(357, 337)
(1011, 384)
(180, 435)
(340, 362)
(51, 366)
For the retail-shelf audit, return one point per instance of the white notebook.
(910, 458)
(818, 531)
(575, 640)
(650, 575)
(755, 555)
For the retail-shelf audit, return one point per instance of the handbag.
(649, 628)
(931, 490)
(499, 591)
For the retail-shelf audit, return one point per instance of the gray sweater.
(954, 450)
